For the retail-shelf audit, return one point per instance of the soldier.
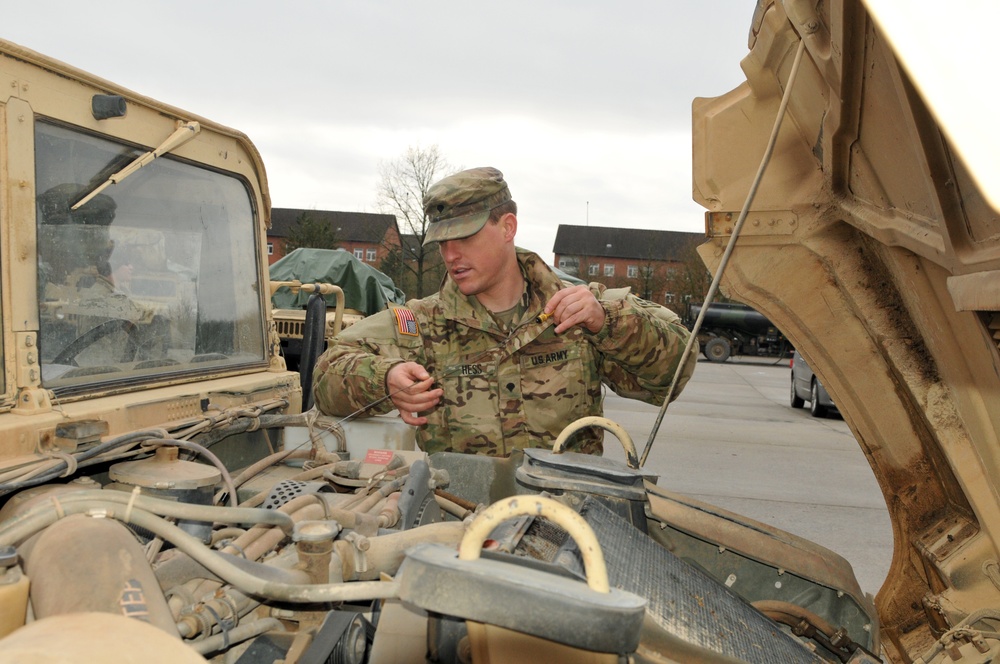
(476, 367)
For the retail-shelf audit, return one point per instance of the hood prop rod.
(713, 289)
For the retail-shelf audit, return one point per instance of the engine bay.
(311, 553)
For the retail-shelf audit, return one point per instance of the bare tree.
(690, 279)
(651, 280)
(403, 182)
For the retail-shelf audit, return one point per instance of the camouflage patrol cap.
(459, 205)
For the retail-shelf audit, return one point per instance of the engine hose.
(251, 471)
(19, 474)
(94, 456)
(247, 582)
(228, 533)
(213, 433)
(775, 608)
(451, 507)
(250, 584)
(388, 517)
(971, 619)
(86, 458)
(372, 500)
(289, 508)
(385, 553)
(259, 540)
(811, 625)
(236, 635)
(46, 514)
(304, 476)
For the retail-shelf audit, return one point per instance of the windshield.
(154, 275)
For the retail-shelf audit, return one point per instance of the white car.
(806, 387)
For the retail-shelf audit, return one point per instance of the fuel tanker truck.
(732, 328)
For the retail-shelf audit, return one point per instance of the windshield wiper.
(182, 135)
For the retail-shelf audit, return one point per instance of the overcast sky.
(585, 105)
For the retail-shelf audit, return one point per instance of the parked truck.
(735, 329)
(356, 290)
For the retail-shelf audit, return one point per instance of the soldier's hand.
(412, 391)
(576, 305)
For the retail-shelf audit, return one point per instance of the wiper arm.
(182, 135)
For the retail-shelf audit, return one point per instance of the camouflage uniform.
(506, 388)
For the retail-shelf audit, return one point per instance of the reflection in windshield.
(155, 274)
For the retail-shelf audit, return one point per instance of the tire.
(794, 399)
(815, 407)
(717, 349)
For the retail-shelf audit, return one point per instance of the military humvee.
(355, 290)
(166, 500)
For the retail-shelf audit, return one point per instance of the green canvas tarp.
(365, 288)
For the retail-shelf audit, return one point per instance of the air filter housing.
(164, 475)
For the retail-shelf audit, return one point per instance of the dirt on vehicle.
(871, 241)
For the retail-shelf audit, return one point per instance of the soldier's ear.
(509, 224)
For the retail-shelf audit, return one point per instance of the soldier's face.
(481, 264)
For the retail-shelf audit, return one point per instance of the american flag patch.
(405, 322)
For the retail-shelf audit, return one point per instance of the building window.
(570, 265)
(668, 298)
(594, 269)
(609, 270)
(270, 248)
(633, 271)
(359, 254)
(370, 255)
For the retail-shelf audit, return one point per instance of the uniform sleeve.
(641, 344)
(350, 375)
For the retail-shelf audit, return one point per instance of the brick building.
(660, 266)
(368, 236)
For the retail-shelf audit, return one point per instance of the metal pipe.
(236, 635)
(247, 582)
(49, 512)
(729, 247)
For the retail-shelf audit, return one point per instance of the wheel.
(815, 407)
(794, 399)
(95, 334)
(717, 349)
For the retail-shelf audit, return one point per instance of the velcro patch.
(539, 359)
(405, 322)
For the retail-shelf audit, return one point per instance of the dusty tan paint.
(876, 285)
(30, 416)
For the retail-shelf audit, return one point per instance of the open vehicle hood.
(873, 243)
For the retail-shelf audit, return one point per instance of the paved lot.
(732, 440)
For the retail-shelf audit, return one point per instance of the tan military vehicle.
(165, 500)
(873, 242)
(351, 290)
